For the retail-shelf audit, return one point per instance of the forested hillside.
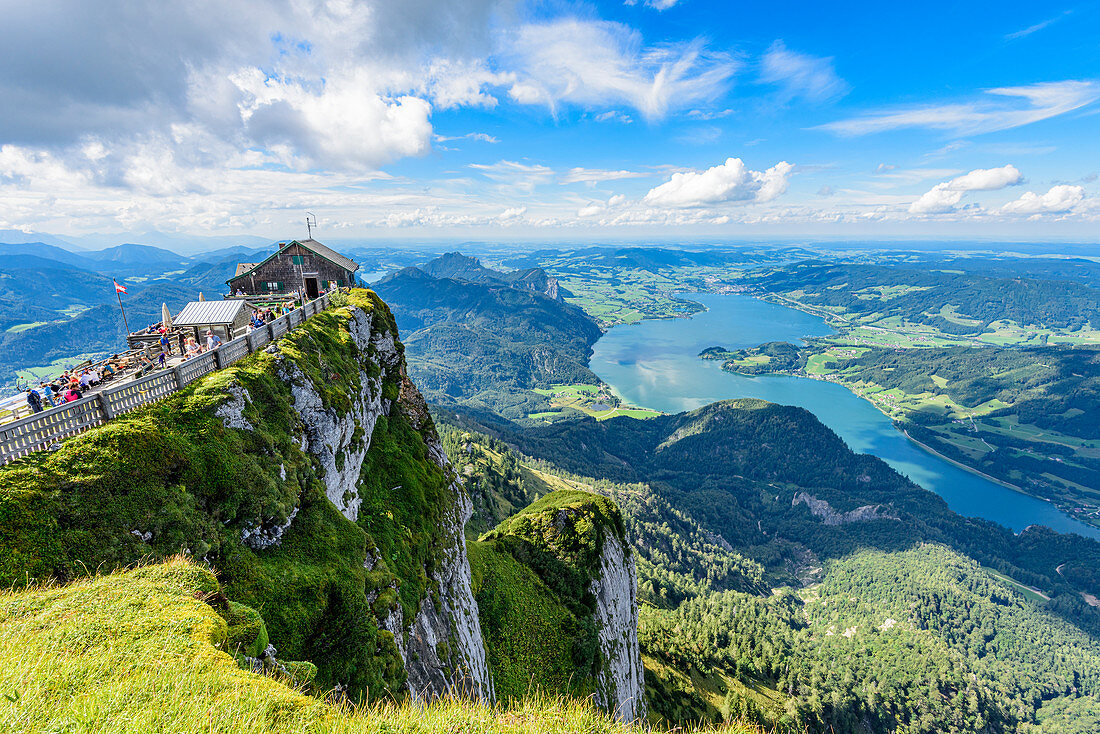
(915, 637)
(919, 295)
(488, 346)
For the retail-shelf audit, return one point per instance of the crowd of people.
(71, 385)
(74, 384)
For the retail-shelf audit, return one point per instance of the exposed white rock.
(621, 679)
(823, 510)
(260, 536)
(330, 436)
(444, 651)
(443, 648)
(232, 411)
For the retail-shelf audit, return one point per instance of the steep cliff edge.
(310, 478)
(571, 573)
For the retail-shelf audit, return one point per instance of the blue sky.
(503, 119)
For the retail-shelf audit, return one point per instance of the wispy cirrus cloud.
(596, 175)
(603, 64)
(655, 4)
(997, 109)
(799, 75)
(477, 137)
(1037, 27)
(515, 176)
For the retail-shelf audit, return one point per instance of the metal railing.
(42, 430)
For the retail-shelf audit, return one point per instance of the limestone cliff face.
(620, 683)
(592, 572)
(442, 647)
(825, 512)
(334, 439)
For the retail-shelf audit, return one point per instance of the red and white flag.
(119, 288)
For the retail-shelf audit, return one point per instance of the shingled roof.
(328, 253)
(313, 246)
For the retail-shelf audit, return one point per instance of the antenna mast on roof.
(311, 222)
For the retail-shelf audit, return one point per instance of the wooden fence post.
(105, 406)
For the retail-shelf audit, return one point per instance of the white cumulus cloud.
(732, 181)
(944, 197)
(341, 124)
(1061, 198)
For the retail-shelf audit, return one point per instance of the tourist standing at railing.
(213, 341)
(34, 400)
(47, 394)
(165, 345)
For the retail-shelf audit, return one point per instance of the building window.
(272, 285)
(297, 259)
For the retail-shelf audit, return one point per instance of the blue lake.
(655, 364)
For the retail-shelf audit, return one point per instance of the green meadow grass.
(144, 651)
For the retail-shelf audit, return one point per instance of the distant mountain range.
(57, 301)
(462, 267)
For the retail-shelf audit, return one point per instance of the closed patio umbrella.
(166, 316)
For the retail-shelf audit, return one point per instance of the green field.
(1030, 593)
(26, 327)
(584, 398)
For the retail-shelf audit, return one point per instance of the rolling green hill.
(920, 295)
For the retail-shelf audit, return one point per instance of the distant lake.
(655, 364)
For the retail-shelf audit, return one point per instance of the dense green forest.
(1028, 416)
(914, 637)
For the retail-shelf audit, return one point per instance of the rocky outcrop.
(340, 442)
(620, 682)
(584, 535)
(442, 648)
(823, 510)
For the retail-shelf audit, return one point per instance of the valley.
(790, 562)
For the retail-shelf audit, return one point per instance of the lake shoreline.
(926, 447)
(656, 365)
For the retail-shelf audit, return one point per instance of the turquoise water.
(654, 364)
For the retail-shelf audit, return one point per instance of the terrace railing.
(41, 431)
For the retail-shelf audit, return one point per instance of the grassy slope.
(172, 469)
(524, 624)
(531, 578)
(138, 651)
